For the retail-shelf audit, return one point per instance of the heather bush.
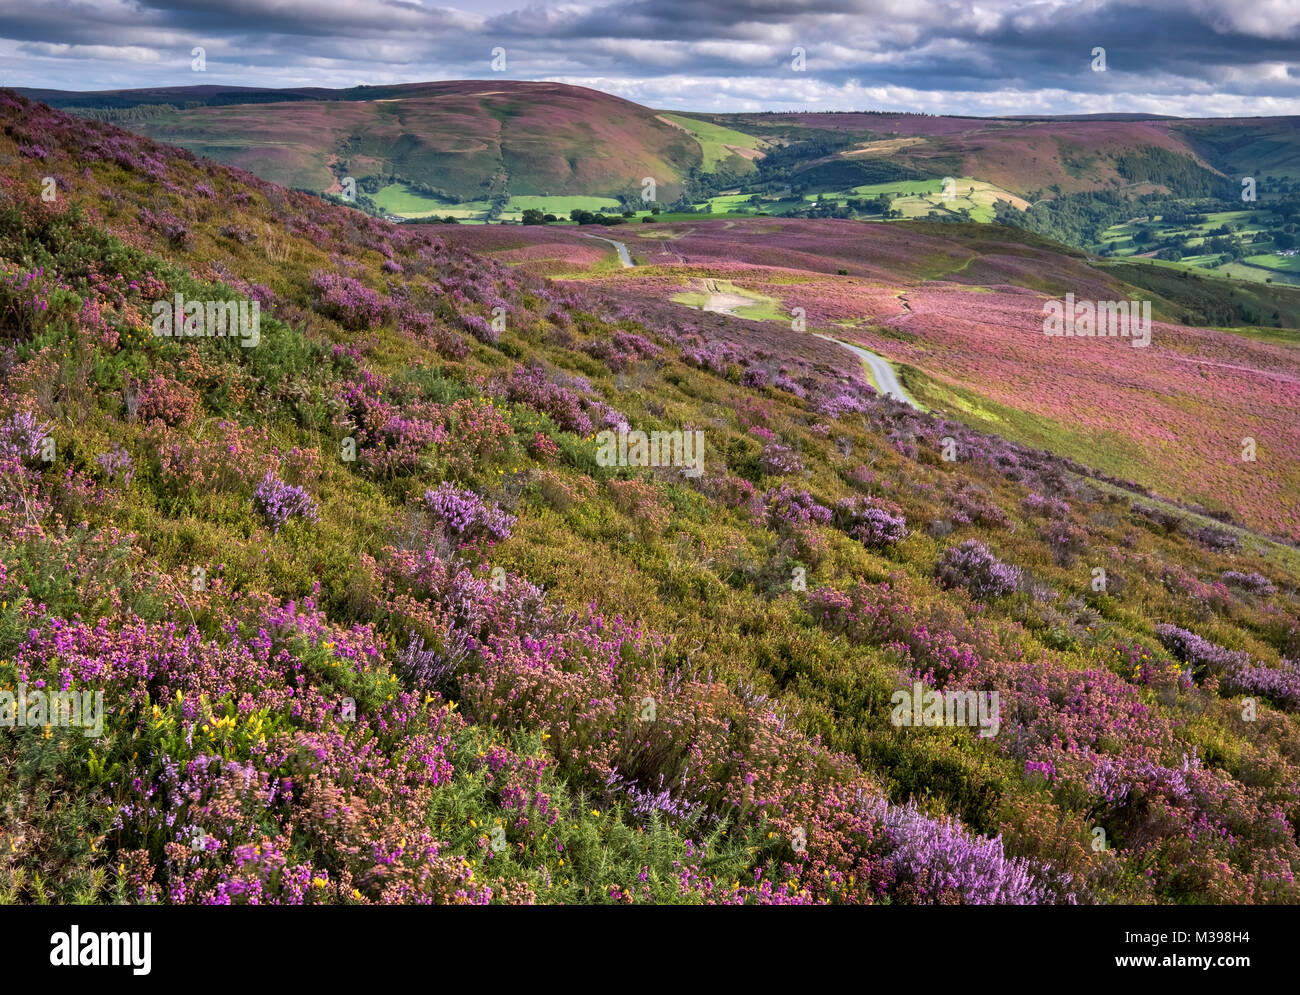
(1048, 507)
(873, 523)
(21, 438)
(1203, 655)
(1281, 684)
(477, 436)
(433, 670)
(480, 328)
(347, 300)
(543, 448)
(117, 465)
(168, 400)
(1217, 539)
(778, 460)
(1164, 520)
(1253, 581)
(241, 234)
(973, 505)
(641, 501)
(840, 404)
(1065, 541)
(220, 459)
(279, 502)
(788, 506)
(940, 863)
(787, 384)
(972, 566)
(466, 516)
(529, 385)
(562, 494)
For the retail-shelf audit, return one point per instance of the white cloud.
(761, 93)
(972, 56)
(102, 53)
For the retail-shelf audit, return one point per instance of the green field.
(1264, 268)
(1261, 267)
(917, 198)
(559, 206)
(399, 199)
(729, 203)
(714, 140)
(1282, 264)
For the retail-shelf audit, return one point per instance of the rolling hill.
(377, 617)
(475, 140)
(469, 140)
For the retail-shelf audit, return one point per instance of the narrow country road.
(623, 256)
(881, 371)
(723, 303)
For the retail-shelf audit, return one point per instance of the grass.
(917, 198)
(561, 207)
(1253, 270)
(1112, 454)
(764, 308)
(714, 140)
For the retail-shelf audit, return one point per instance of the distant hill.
(468, 140)
(480, 149)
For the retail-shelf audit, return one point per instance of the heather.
(373, 625)
(959, 309)
(972, 566)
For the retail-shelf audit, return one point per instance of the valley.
(529, 533)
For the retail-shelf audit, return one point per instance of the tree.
(532, 216)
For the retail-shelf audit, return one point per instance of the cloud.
(1198, 57)
(100, 53)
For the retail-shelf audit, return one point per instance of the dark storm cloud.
(1175, 56)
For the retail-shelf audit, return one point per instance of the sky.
(1201, 58)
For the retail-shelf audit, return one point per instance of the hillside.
(960, 309)
(375, 621)
(468, 140)
(473, 140)
(1025, 157)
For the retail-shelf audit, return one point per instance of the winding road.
(881, 372)
(623, 256)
